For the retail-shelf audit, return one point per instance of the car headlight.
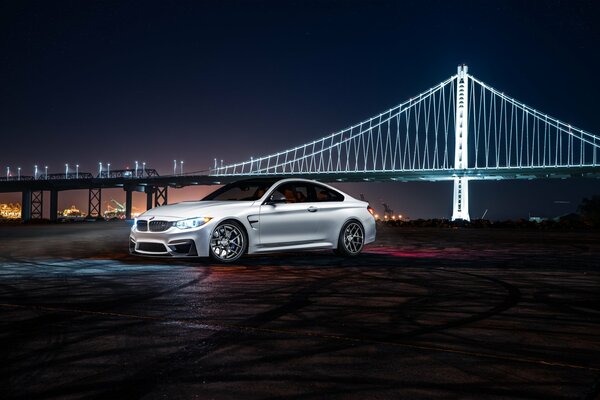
(191, 222)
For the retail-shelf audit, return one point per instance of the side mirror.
(276, 198)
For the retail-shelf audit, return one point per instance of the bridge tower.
(461, 134)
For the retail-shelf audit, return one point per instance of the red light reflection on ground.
(416, 253)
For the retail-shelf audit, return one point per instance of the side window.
(302, 193)
(294, 192)
(325, 194)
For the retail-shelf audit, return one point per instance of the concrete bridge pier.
(128, 200)
(149, 197)
(53, 205)
(32, 204)
(26, 205)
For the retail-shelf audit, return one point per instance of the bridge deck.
(139, 184)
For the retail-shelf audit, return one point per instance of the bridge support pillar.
(160, 196)
(26, 205)
(53, 205)
(461, 152)
(37, 204)
(460, 204)
(95, 203)
(149, 195)
(128, 200)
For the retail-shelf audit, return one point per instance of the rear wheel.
(228, 242)
(351, 240)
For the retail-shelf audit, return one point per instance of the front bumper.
(171, 243)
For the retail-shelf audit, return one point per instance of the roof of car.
(276, 179)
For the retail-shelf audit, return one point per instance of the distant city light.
(76, 171)
(136, 168)
(67, 171)
(46, 171)
(19, 173)
(35, 171)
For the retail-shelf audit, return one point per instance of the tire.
(228, 242)
(351, 240)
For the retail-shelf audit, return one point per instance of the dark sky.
(119, 81)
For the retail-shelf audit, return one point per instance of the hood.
(190, 209)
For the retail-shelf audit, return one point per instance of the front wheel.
(351, 240)
(228, 242)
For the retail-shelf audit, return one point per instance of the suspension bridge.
(459, 130)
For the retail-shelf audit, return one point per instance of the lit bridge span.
(461, 129)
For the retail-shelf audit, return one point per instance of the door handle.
(312, 209)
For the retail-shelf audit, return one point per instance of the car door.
(330, 204)
(292, 222)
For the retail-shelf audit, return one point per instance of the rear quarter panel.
(334, 215)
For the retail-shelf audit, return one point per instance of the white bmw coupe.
(256, 216)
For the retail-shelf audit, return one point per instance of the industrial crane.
(388, 212)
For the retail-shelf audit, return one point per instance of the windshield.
(241, 191)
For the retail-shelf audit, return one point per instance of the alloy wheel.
(227, 242)
(354, 238)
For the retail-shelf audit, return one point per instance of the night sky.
(119, 81)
